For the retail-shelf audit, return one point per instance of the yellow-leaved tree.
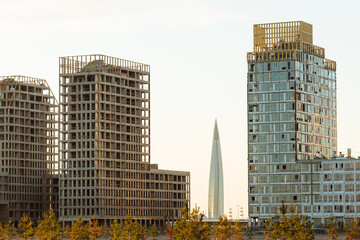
(67, 231)
(79, 230)
(132, 229)
(191, 226)
(237, 231)
(26, 228)
(8, 231)
(332, 229)
(115, 230)
(223, 230)
(289, 226)
(154, 232)
(48, 227)
(352, 229)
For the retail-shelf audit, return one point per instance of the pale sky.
(197, 53)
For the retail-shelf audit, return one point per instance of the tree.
(332, 229)
(8, 230)
(79, 230)
(191, 226)
(115, 231)
(1, 230)
(105, 230)
(352, 229)
(25, 225)
(67, 231)
(140, 231)
(95, 229)
(154, 232)
(48, 227)
(132, 229)
(169, 231)
(237, 231)
(294, 226)
(223, 229)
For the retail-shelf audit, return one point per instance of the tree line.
(287, 224)
(290, 224)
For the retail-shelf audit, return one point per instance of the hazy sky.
(197, 52)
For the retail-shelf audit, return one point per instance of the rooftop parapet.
(98, 63)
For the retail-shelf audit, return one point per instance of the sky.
(197, 53)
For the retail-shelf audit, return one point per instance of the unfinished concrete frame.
(28, 147)
(169, 189)
(105, 140)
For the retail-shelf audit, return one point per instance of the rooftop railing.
(22, 79)
(98, 63)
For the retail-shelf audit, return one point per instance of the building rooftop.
(98, 63)
(22, 79)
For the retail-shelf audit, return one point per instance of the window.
(252, 67)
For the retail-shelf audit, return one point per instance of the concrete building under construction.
(105, 145)
(28, 148)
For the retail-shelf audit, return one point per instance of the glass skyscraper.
(291, 117)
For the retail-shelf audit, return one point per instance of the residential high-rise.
(291, 117)
(105, 145)
(28, 148)
(216, 180)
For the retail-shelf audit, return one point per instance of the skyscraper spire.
(216, 181)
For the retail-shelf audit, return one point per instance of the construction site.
(28, 148)
(105, 165)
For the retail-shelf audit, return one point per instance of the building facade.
(339, 189)
(28, 148)
(291, 117)
(105, 143)
(216, 179)
(169, 190)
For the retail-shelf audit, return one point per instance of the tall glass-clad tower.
(291, 117)
(216, 181)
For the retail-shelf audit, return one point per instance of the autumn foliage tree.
(128, 229)
(191, 226)
(95, 229)
(79, 230)
(1, 230)
(105, 230)
(289, 226)
(169, 232)
(67, 231)
(223, 229)
(115, 230)
(48, 227)
(153, 232)
(237, 231)
(332, 229)
(7, 231)
(132, 229)
(26, 228)
(352, 229)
